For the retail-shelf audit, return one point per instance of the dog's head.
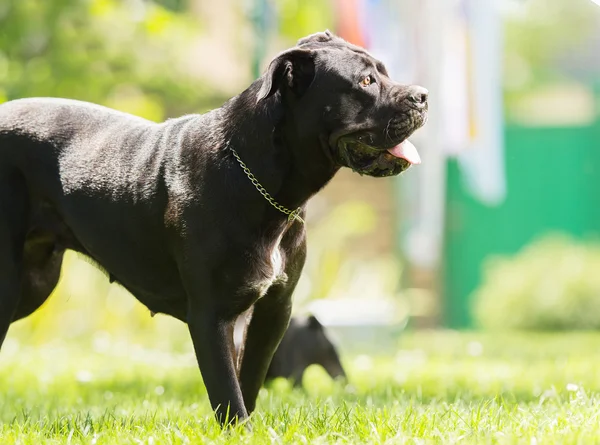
(341, 94)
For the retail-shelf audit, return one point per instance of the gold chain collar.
(293, 215)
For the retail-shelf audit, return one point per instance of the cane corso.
(199, 217)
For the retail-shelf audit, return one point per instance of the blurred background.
(496, 228)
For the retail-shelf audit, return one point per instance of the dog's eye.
(367, 81)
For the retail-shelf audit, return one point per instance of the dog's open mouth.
(378, 162)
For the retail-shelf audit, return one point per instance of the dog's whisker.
(387, 130)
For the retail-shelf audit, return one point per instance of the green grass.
(437, 387)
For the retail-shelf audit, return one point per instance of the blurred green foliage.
(129, 55)
(339, 227)
(175, 5)
(122, 54)
(539, 36)
(299, 18)
(553, 284)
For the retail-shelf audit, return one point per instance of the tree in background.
(550, 41)
(128, 55)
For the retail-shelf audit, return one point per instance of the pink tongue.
(406, 150)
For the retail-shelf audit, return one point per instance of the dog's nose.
(418, 96)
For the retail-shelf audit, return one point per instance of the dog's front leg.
(268, 324)
(212, 339)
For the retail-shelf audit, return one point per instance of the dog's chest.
(270, 266)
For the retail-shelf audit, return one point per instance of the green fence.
(553, 180)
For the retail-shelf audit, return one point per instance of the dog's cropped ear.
(293, 69)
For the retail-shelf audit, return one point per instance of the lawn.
(436, 387)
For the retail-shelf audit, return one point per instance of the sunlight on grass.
(439, 387)
(92, 366)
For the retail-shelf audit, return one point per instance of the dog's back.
(57, 121)
(42, 136)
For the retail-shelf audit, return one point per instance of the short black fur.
(167, 212)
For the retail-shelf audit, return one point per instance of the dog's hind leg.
(14, 209)
(42, 262)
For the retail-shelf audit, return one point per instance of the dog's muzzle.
(370, 161)
(364, 158)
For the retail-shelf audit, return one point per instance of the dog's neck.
(291, 167)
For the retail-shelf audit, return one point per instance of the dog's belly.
(127, 243)
(136, 256)
(175, 304)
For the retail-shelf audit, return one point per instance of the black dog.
(198, 217)
(304, 343)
